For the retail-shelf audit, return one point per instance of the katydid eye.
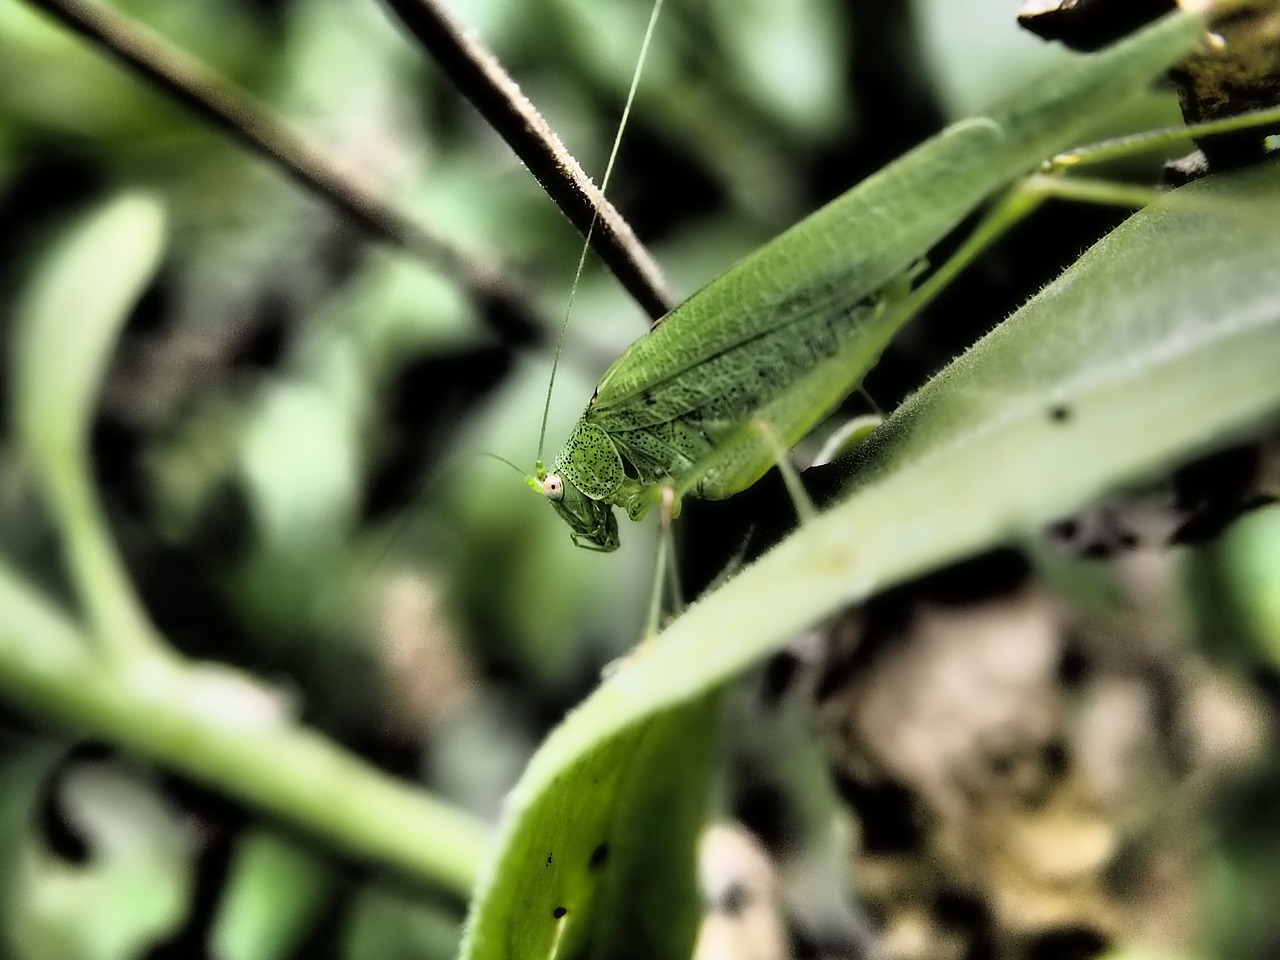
(553, 487)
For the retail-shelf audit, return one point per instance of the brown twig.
(481, 79)
(232, 110)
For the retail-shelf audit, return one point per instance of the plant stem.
(217, 726)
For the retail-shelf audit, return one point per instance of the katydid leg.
(1153, 139)
(805, 510)
(664, 564)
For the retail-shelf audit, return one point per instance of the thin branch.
(481, 79)
(233, 111)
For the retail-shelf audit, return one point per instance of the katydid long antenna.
(595, 216)
(531, 482)
(452, 463)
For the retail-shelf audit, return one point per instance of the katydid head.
(592, 523)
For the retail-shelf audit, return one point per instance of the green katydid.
(757, 358)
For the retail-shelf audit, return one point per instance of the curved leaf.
(1161, 342)
(70, 319)
(67, 326)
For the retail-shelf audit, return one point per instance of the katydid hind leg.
(1138, 143)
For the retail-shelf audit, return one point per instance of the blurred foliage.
(286, 445)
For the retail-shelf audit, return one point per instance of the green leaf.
(1160, 343)
(67, 326)
(277, 890)
(25, 766)
(1250, 552)
(71, 317)
(133, 889)
(598, 857)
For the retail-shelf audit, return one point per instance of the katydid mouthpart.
(761, 355)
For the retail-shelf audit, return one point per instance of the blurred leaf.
(300, 466)
(134, 887)
(1160, 343)
(69, 322)
(51, 80)
(275, 893)
(1239, 891)
(688, 92)
(1250, 552)
(789, 58)
(391, 926)
(66, 329)
(979, 53)
(25, 765)
(598, 857)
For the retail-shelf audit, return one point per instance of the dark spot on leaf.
(559, 912)
(649, 399)
(548, 859)
(1060, 414)
(734, 900)
(599, 857)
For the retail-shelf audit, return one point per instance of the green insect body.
(775, 343)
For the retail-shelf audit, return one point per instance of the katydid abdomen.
(775, 343)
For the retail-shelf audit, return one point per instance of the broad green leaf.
(598, 858)
(67, 325)
(1162, 342)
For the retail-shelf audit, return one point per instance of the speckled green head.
(582, 479)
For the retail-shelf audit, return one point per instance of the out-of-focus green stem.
(217, 726)
(121, 631)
